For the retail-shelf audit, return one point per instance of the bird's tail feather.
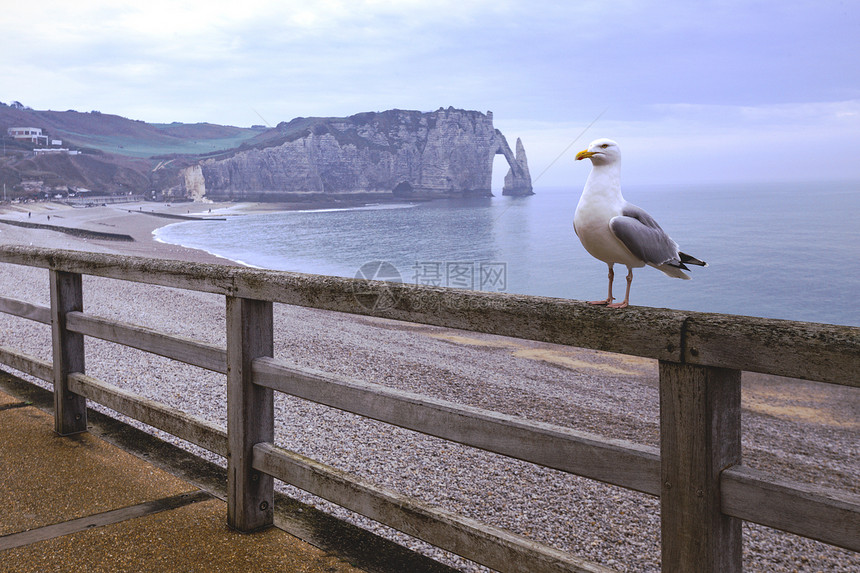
(685, 258)
(673, 270)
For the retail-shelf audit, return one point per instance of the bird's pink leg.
(609, 297)
(623, 303)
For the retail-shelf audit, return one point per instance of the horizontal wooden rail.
(179, 274)
(190, 428)
(179, 348)
(187, 350)
(41, 369)
(617, 462)
(829, 516)
(484, 544)
(811, 511)
(825, 353)
(26, 310)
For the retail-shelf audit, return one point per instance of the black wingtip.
(685, 258)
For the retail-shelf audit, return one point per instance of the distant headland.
(388, 155)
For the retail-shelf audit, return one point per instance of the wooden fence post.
(700, 435)
(250, 414)
(70, 409)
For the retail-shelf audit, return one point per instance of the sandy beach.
(805, 431)
(138, 220)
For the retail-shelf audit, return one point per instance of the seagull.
(614, 231)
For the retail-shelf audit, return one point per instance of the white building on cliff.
(33, 134)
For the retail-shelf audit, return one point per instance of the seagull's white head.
(601, 152)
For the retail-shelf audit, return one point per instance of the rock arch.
(518, 180)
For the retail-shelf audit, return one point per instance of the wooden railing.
(705, 491)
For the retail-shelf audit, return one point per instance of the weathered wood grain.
(26, 310)
(70, 409)
(179, 348)
(23, 362)
(190, 428)
(618, 462)
(653, 333)
(803, 509)
(495, 548)
(164, 272)
(700, 435)
(250, 414)
(820, 352)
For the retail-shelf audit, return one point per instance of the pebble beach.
(803, 431)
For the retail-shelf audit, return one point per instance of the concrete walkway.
(80, 504)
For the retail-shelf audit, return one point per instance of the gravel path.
(805, 431)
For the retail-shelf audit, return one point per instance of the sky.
(710, 91)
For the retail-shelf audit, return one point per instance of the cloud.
(685, 143)
(700, 76)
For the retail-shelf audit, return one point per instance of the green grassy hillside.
(121, 136)
(117, 154)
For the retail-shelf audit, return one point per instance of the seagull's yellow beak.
(584, 154)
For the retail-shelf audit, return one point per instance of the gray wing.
(641, 234)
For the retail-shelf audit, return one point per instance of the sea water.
(775, 250)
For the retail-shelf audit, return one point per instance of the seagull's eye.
(605, 145)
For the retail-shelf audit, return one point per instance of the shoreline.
(43, 224)
(102, 228)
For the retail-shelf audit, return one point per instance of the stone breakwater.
(81, 233)
(610, 395)
(395, 153)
